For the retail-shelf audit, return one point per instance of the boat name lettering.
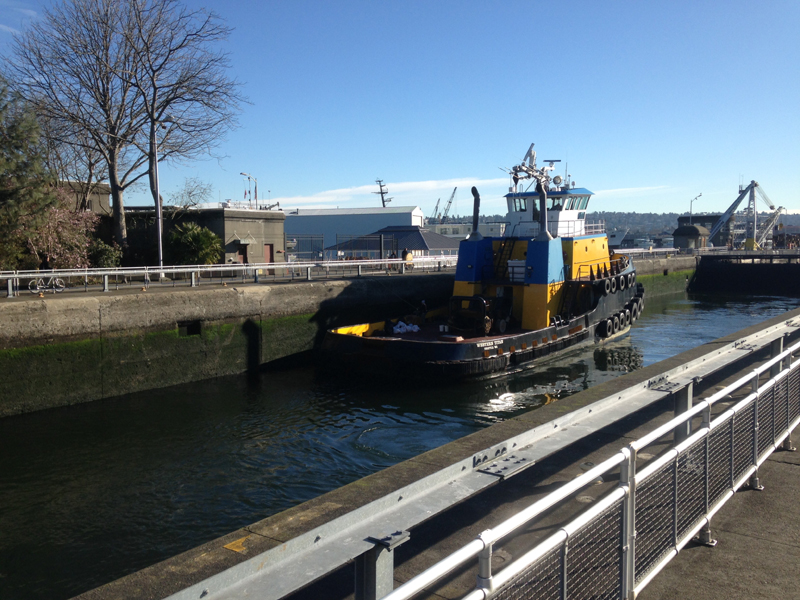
(486, 344)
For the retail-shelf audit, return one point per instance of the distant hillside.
(650, 223)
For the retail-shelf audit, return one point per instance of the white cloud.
(632, 191)
(8, 29)
(407, 193)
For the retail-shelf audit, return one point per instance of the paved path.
(758, 549)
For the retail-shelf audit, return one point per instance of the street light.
(254, 179)
(690, 206)
(159, 213)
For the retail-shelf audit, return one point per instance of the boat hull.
(449, 357)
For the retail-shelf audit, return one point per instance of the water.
(93, 492)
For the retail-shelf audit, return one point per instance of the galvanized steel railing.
(615, 548)
(196, 275)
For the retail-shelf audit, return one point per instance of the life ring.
(621, 284)
(606, 287)
(616, 323)
(613, 281)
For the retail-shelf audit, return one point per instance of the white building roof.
(371, 210)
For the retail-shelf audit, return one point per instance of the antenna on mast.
(383, 191)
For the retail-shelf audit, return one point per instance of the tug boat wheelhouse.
(550, 284)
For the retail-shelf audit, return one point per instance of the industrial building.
(340, 224)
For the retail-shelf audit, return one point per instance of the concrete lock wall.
(76, 348)
(73, 348)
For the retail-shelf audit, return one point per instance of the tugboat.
(550, 284)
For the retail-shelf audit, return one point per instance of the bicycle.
(54, 284)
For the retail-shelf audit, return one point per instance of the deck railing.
(615, 548)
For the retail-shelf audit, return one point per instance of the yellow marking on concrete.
(237, 545)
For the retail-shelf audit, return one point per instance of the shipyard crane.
(768, 225)
(755, 237)
(449, 203)
(433, 217)
(726, 216)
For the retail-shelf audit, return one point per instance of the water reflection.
(113, 486)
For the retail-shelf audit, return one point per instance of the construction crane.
(447, 208)
(755, 237)
(767, 226)
(435, 211)
(726, 216)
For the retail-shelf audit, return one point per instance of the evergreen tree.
(24, 184)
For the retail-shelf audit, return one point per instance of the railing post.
(755, 482)
(375, 568)
(402, 268)
(308, 273)
(194, 278)
(776, 348)
(704, 537)
(627, 477)
(683, 403)
(10, 284)
(787, 443)
(485, 565)
(105, 283)
(359, 270)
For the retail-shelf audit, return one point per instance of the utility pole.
(383, 191)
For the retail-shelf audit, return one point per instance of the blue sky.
(649, 103)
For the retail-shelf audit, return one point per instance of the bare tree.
(181, 77)
(72, 159)
(113, 68)
(193, 192)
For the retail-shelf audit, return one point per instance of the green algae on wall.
(61, 373)
(659, 283)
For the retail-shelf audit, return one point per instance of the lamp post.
(690, 206)
(159, 212)
(256, 182)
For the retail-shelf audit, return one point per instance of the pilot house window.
(520, 204)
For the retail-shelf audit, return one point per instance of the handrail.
(524, 517)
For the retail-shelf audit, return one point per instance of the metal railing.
(195, 275)
(614, 549)
(367, 534)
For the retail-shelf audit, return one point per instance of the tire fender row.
(627, 316)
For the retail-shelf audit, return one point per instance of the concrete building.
(248, 236)
(708, 220)
(691, 236)
(98, 195)
(338, 224)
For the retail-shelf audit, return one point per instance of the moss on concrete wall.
(661, 283)
(70, 372)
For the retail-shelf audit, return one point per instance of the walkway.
(758, 549)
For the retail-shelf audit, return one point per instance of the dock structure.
(592, 496)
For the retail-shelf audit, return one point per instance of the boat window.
(583, 202)
(520, 204)
(555, 204)
(569, 203)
